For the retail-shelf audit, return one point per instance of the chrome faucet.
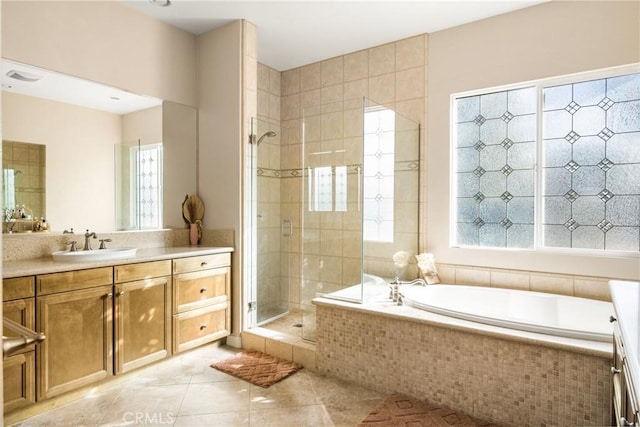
(87, 242)
(395, 294)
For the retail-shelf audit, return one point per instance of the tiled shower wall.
(272, 284)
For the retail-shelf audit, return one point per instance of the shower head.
(269, 134)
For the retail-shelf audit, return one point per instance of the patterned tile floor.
(185, 391)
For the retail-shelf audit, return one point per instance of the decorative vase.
(193, 234)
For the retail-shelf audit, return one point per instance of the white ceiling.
(292, 33)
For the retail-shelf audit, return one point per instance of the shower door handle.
(286, 228)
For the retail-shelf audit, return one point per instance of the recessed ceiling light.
(161, 3)
(23, 76)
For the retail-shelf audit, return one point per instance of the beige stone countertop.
(380, 304)
(45, 265)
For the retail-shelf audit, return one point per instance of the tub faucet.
(395, 294)
(87, 242)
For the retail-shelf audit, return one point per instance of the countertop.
(48, 265)
(626, 303)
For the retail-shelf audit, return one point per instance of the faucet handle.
(102, 245)
(73, 247)
(68, 231)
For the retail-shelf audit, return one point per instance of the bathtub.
(550, 314)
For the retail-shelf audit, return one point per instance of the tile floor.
(185, 391)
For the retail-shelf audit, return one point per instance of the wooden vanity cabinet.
(201, 295)
(19, 380)
(624, 401)
(142, 296)
(74, 310)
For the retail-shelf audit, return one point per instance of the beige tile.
(332, 71)
(250, 39)
(305, 356)
(382, 59)
(310, 98)
(356, 89)
(446, 273)
(353, 123)
(412, 109)
(263, 104)
(510, 280)
(382, 89)
(251, 341)
(225, 419)
(263, 77)
(410, 84)
(553, 284)
(356, 66)
(290, 81)
(221, 397)
(331, 269)
(332, 125)
(311, 415)
(588, 287)
(275, 82)
(332, 94)
(311, 77)
(410, 53)
(473, 277)
(290, 107)
(279, 348)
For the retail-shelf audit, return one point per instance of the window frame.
(540, 85)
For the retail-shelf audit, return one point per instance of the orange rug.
(400, 411)
(258, 368)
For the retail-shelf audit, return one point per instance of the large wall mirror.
(114, 160)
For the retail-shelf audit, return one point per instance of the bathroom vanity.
(625, 372)
(105, 318)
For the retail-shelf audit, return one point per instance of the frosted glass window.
(379, 165)
(149, 186)
(323, 189)
(588, 170)
(591, 142)
(495, 158)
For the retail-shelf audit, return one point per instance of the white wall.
(550, 39)
(102, 41)
(79, 163)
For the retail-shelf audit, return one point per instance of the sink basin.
(94, 255)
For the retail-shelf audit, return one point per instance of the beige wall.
(550, 39)
(103, 41)
(80, 143)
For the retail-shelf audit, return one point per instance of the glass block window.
(149, 186)
(378, 181)
(586, 159)
(591, 141)
(495, 158)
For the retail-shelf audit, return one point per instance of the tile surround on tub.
(578, 286)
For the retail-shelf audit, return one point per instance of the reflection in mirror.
(79, 135)
(23, 186)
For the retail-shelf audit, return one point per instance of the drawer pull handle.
(203, 326)
(615, 370)
(203, 290)
(203, 263)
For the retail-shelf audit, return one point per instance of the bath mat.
(258, 368)
(397, 410)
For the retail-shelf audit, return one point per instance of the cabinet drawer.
(18, 287)
(197, 263)
(141, 271)
(73, 280)
(19, 381)
(197, 327)
(194, 290)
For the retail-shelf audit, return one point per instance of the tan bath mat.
(258, 368)
(397, 410)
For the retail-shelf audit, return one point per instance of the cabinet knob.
(203, 290)
(203, 326)
(615, 370)
(120, 293)
(203, 263)
(612, 319)
(110, 295)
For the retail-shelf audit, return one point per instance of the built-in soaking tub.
(550, 314)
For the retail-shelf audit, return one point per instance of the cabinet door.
(196, 327)
(19, 381)
(143, 322)
(78, 349)
(21, 311)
